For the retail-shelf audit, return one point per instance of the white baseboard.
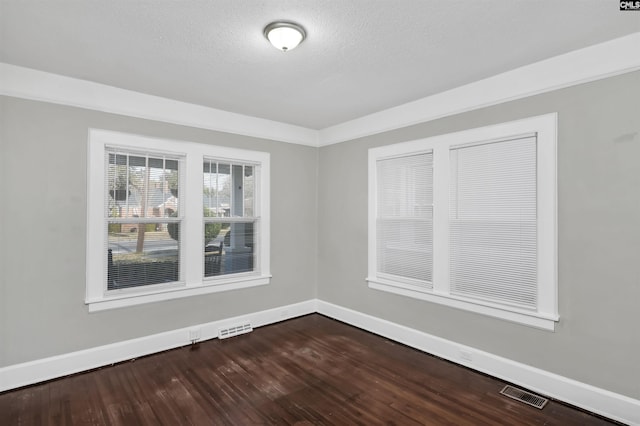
(591, 398)
(28, 373)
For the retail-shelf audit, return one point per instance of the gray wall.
(43, 196)
(597, 340)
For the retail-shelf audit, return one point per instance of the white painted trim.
(28, 373)
(532, 319)
(42, 86)
(592, 63)
(600, 401)
(614, 57)
(198, 289)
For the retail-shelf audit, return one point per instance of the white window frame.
(544, 127)
(191, 251)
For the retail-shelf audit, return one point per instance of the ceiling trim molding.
(37, 85)
(592, 63)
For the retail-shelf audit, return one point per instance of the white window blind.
(405, 219)
(492, 222)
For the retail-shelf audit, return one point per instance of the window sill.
(532, 319)
(120, 300)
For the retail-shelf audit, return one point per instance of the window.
(142, 210)
(404, 225)
(170, 219)
(468, 220)
(229, 222)
(492, 222)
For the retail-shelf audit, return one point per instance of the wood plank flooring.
(306, 371)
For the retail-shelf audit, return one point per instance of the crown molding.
(596, 62)
(592, 63)
(37, 85)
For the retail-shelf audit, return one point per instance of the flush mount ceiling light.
(284, 35)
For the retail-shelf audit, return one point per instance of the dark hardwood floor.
(306, 371)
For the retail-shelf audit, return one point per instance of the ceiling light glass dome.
(284, 35)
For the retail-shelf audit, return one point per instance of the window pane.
(404, 226)
(142, 254)
(405, 249)
(229, 248)
(216, 189)
(493, 231)
(141, 186)
(249, 188)
(228, 189)
(405, 186)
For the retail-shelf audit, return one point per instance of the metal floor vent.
(524, 396)
(236, 330)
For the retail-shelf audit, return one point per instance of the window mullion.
(441, 220)
(192, 224)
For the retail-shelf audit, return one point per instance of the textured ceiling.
(360, 56)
